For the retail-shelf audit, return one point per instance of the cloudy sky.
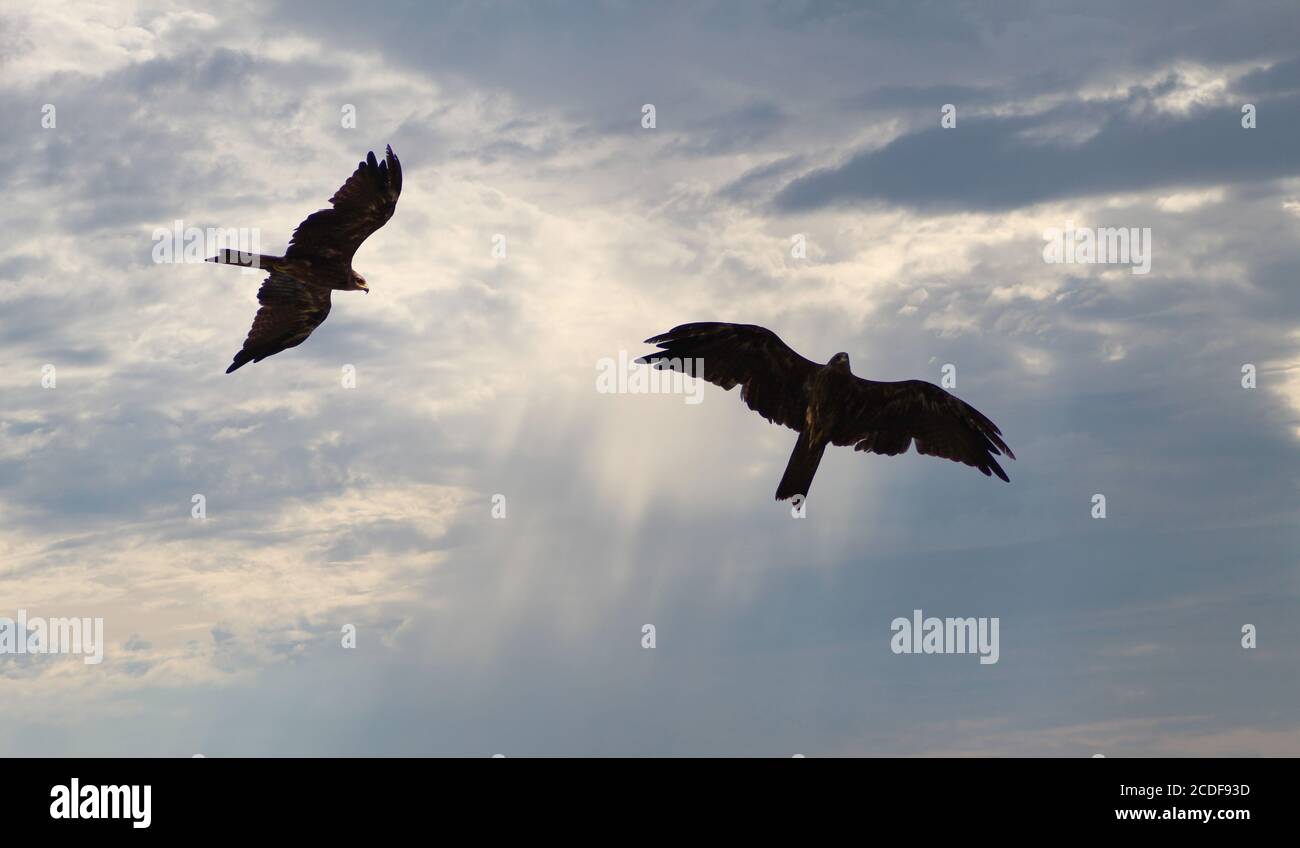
(522, 125)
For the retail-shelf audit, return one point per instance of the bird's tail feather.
(245, 260)
(801, 468)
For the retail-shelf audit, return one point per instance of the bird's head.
(359, 282)
(840, 361)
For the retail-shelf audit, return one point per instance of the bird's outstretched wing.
(886, 418)
(364, 204)
(290, 311)
(772, 377)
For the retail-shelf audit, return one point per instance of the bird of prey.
(295, 296)
(827, 404)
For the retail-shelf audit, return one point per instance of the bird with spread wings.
(828, 404)
(295, 296)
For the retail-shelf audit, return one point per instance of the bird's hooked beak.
(365, 287)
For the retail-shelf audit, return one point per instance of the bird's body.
(828, 404)
(322, 273)
(829, 383)
(295, 297)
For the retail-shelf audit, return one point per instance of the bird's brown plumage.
(362, 205)
(771, 376)
(295, 297)
(827, 404)
(290, 311)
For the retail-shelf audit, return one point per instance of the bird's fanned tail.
(245, 260)
(801, 468)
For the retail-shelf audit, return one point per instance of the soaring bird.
(295, 296)
(827, 404)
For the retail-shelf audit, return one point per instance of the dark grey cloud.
(601, 60)
(744, 128)
(998, 163)
(1279, 78)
